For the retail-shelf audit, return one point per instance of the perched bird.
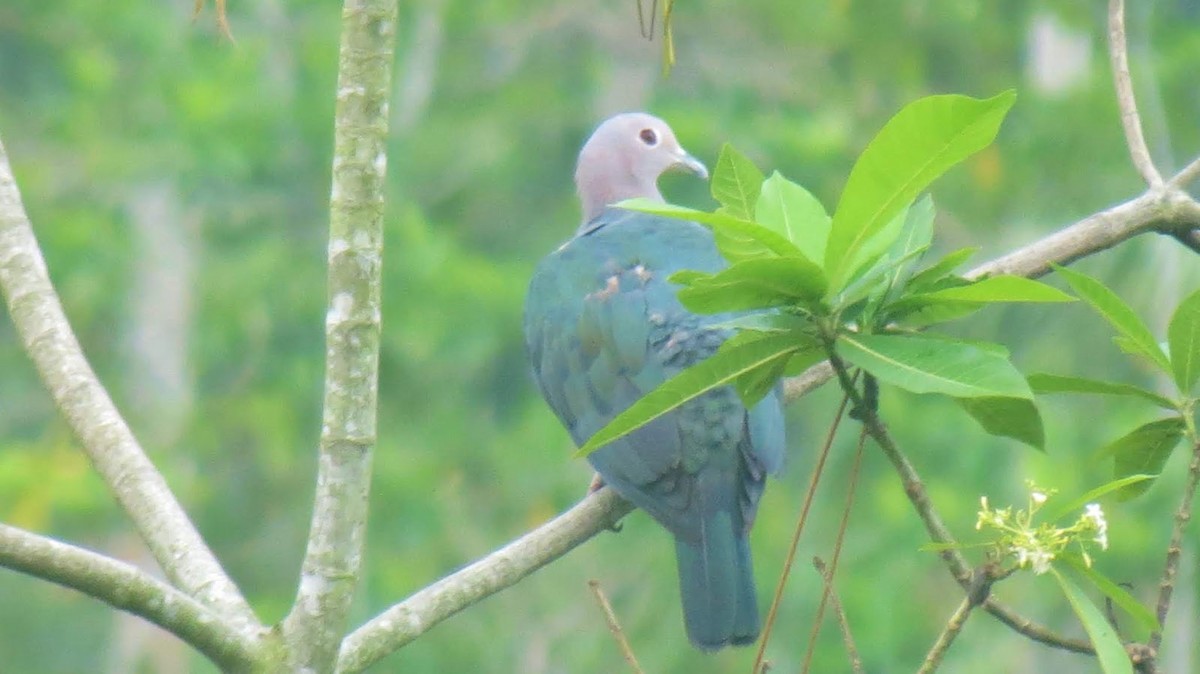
(603, 328)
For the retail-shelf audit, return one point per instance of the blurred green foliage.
(104, 103)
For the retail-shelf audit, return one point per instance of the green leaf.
(934, 272)
(1115, 592)
(736, 183)
(754, 284)
(1016, 418)
(927, 365)
(1002, 289)
(916, 146)
(767, 321)
(757, 383)
(1093, 495)
(870, 284)
(1055, 383)
(920, 311)
(1143, 451)
(1183, 337)
(1109, 649)
(766, 241)
(788, 208)
(1137, 337)
(721, 368)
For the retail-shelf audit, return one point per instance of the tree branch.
(1130, 119)
(412, 617)
(329, 574)
(133, 480)
(1174, 549)
(1186, 176)
(915, 490)
(127, 588)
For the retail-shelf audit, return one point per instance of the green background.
(179, 186)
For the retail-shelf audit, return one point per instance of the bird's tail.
(716, 584)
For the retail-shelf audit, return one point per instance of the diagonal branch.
(1131, 121)
(135, 483)
(503, 568)
(1187, 175)
(127, 588)
(1175, 547)
(318, 620)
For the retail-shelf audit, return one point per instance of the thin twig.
(106, 438)
(1174, 549)
(128, 588)
(837, 550)
(614, 626)
(953, 626)
(1130, 120)
(818, 470)
(414, 616)
(914, 489)
(1187, 175)
(856, 664)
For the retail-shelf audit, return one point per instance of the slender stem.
(1183, 515)
(837, 551)
(1187, 175)
(856, 664)
(953, 626)
(330, 571)
(614, 626)
(1131, 121)
(914, 488)
(414, 616)
(127, 588)
(818, 471)
(114, 452)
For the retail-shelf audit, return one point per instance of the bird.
(603, 327)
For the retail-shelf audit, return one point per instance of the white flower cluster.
(1035, 546)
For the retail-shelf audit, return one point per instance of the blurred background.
(178, 184)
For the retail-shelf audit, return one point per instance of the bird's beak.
(687, 162)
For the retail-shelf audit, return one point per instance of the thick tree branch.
(1131, 121)
(114, 452)
(317, 622)
(1175, 548)
(127, 588)
(503, 568)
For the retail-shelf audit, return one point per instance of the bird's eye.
(649, 137)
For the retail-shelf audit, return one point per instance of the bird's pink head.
(624, 158)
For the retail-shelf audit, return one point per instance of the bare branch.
(614, 626)
(314, 628)
(503, 568)
(133, 480)
(1130, 120)
(1174, 549)
(856, 664)
(953, 626)
(1187, 175)
(127, 588)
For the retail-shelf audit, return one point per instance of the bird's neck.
(595, 197)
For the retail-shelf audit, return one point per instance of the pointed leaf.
(754, 284)
(736, 183)
(916, 146)
(768, 321)
(1055, 383)
(925, 365)
(1115, 592)
(721, 368)
(1016, 418)
(720, 223)
(1143, 451)
(1093, 495)
(1183, 336)
(1003, 289)
(1109, 649)
(949, 262)
(788, 208)
(1137, 337)
(921, 310)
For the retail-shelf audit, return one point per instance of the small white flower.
(1038, 497)
(1095, 515)
(1041, 560)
